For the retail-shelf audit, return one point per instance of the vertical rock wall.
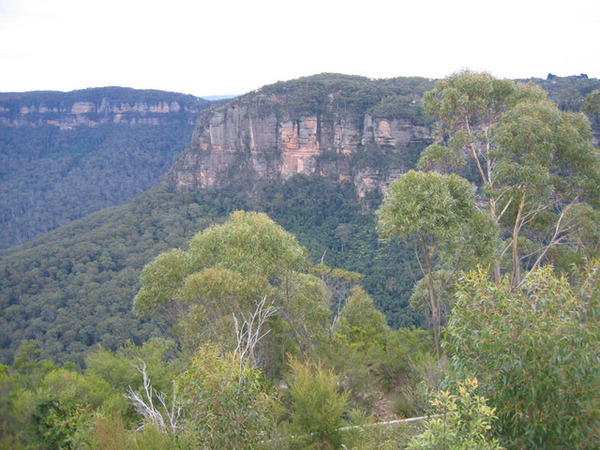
(256, 136)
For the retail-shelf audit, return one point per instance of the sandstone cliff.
(345, 128)
(97, 106)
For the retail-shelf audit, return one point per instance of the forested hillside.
(66, 155)
(278, 311)
(73, 288)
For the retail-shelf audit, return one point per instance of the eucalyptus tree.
(591, 103)
(533, 162)
(230, 272)
(545, 165)
(534, 351)
(435, 211)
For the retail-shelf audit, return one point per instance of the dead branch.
(250, 332)
(144, 405)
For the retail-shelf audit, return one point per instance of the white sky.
(234, 46)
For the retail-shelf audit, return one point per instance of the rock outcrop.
(266, 135)
(97, 106)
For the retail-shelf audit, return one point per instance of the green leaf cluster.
(225, 405)
(317, 405)
(426, 203)
(534, 351)
(227, 270)
(459, 420)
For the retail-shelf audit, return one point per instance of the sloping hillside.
(66, 155)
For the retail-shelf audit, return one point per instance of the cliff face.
(92, 107)
(275, 135)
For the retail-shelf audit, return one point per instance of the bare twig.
(250, 332)
(144, 405)
(560, 233)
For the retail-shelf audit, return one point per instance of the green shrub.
(461, 420)
(225, 405)
(317, 405)
(535, 353)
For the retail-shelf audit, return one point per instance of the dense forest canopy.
(84, 276)
(57, 166)
(389, 98)
(51, 177)
(283, 316)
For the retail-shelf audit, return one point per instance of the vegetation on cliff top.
(321, 94)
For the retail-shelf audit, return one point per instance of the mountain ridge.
(343, 127)
(95, 106)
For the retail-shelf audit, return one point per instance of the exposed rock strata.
(66, 111)
(257, 136)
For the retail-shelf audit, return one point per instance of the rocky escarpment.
(97, 106)
(345, 128)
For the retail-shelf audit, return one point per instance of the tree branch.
(250, 333)
(145, 407)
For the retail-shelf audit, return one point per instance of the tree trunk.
(433, 299)
(516, 278)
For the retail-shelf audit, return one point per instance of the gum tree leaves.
(434, 210)
(227, 270)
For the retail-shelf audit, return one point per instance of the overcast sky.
(235, 46)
